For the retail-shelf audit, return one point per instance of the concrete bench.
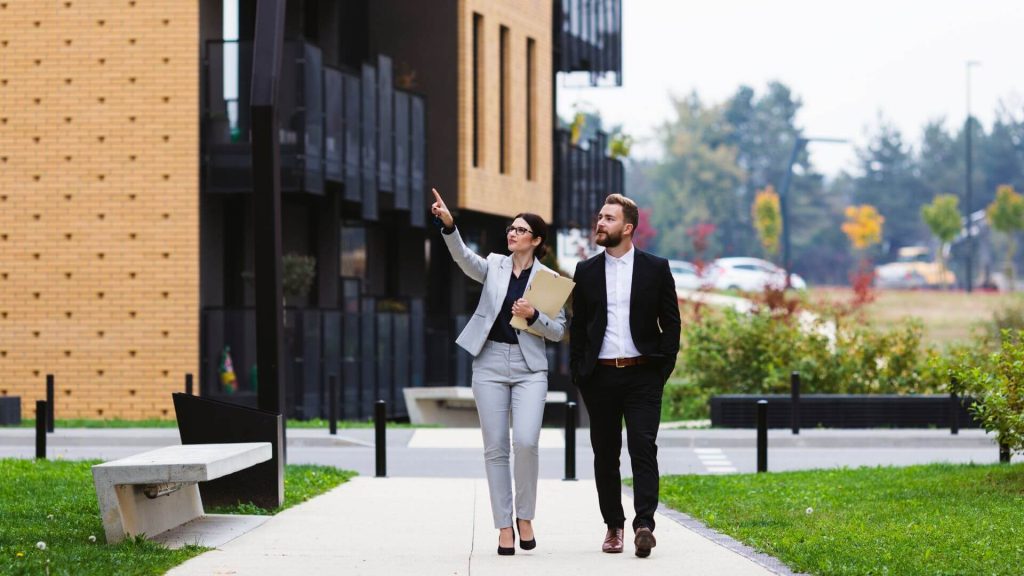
(153, 492)
(452, 405)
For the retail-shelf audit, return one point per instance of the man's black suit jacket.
(653, 313)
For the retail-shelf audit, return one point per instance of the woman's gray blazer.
(494, 273)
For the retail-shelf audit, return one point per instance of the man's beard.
(610, 240)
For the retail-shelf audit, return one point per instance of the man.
(623, 345)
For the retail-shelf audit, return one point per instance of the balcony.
(584, 176)
(375, 349)
(350, 128)
(588, 38)
(374, 354)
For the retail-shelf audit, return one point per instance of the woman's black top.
(502, 331)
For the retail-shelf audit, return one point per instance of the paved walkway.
(424, 526)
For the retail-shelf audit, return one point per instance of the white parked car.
(685, 274)
(749, 275)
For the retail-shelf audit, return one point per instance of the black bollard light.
(954, 414)
(570, 441)
(41, 409)
(794, 401)
(332, 398)
(762, 435)
(49, 403)
(379, 418)
(188, 384)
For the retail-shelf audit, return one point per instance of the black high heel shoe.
(526, 544)
(510, 551)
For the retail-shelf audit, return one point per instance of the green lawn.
(53, 501)
(937, 520)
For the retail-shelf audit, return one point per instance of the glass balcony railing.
(349, 127)
(588, 38)
(584, 176)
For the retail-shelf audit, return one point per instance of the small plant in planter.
(297, 274)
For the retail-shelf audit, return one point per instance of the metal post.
(268, 42)
(954, 414)
(784, 201)
(762, 435)
(969, 132)
(49, 403)
(379, 418)
(41, 411)
(332, 408)
(794, 401)
(188, 384)
(570, 441)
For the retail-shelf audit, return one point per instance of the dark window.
(478, 37)
(503, 86)
(530, 111)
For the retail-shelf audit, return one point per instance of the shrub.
(1008, 317)
(996, 382)
(734, 353)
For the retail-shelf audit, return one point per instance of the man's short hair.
(630, 211)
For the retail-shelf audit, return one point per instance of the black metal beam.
(268, 46)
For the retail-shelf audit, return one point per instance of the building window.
(531, 112)
(503, 100)
(478, 39)
(353, 251)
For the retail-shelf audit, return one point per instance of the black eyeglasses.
(518, 229)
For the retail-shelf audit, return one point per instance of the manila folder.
(548, 293)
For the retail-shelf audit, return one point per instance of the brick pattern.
(484, 188)
(99, 203)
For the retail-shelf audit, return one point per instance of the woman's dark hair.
(540, 230)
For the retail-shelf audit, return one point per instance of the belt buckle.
(617, 365)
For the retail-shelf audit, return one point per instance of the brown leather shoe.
(644, 541)
(612, 541)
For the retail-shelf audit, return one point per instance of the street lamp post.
(968, 136)
(798, 145)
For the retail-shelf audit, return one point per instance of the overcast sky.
(848, 62)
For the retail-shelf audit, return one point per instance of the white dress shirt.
(618, 277)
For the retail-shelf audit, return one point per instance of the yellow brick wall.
(99, 203)
(484, 188)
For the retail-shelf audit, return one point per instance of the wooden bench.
(156, 491)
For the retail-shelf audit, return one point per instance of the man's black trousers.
(632, 393)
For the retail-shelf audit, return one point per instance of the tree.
(762, 128)
(1006, 214)
(890, 183)
(644, 233)
(943, 218)
(697, 179)
(767, 218)
(863, 226)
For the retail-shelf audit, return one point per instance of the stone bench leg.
(127, 510)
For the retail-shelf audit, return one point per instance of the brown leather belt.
(623, 362)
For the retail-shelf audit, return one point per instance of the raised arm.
(471, 264)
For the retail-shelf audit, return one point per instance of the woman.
(510, 369)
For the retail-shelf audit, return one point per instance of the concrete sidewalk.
(427, 526)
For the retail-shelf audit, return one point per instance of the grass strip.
(939, 519)
(54, 502)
